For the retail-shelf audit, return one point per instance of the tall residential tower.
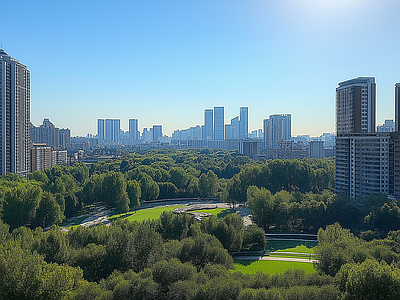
(15, 116)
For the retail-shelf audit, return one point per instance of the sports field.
(289, 249)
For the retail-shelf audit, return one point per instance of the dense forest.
(177, 257)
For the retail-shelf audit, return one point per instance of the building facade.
(219, 123)
(244, 122)
(134, 129)
(15, 116)
(277, 128)
(356, 105)
(208, 128)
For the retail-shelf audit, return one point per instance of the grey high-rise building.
(15, 116)
(208, 128)
(133, 129)
(109, 132)
(46, 133)
(397, 105)
(157, 133)
(356, 105)
(100, 130)
(244, 122)
(277, 128)
(219, 123)
(117, 129)
(65, 138)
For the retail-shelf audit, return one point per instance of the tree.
(178, 177)
(20, 205)
(208, 184)
(134, 193)
(149, 187)
(114, 191)
(369, 280)
(48, 212)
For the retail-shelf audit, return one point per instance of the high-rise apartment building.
(356, 105)
(15, 116)
(100, 130)
(157, 133)
(362, 156)
(117, 130)
(46, 133)
(397, 105)
(244, 122)
(219, 123)
(65, 138)
(134, 129)
(208, 128)
(277, 128)
(109, 130)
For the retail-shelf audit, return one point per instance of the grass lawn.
(291, 246)
(297, 249)
(271, 267)
(214, 211)
(144, 214)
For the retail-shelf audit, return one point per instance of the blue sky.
(164, 62)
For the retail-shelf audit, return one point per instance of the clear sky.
(165, 61)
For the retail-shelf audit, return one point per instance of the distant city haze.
(164, 62)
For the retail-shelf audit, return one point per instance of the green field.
(297, 249)
(144, 214)
(291, 246)
(271, 266)
(214, 211)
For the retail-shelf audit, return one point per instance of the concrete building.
(397, 105)
(100, 130)
(134, 129)
(316, 149)
(46, 133)
(277, 128)
(59, 157)
(65, 138)
(157, 133)
(244, 122)
(248, 148)
(388, 126)
(109, 130)
(219, 125)
(208, 128)
(116, 130)
(356, 105)
(362, 164)
(40, 157)
(15, 116)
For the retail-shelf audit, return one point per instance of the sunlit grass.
(144, 214)
(214, 211)
(298, 249)
(271, 266)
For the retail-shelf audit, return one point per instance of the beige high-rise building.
(14, 116)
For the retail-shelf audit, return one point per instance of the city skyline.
(274, 58)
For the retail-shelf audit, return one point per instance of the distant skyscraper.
(277, 128)
(117, 129)
(46, 133)
(100, 129)
(397, 105)
(109, 134)
(157, 133)
(244, 122)
(232, 130)
(65, 138)
(219, 123)
(133, 129)
(208, 128)
(15, 116)
(356, 105)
